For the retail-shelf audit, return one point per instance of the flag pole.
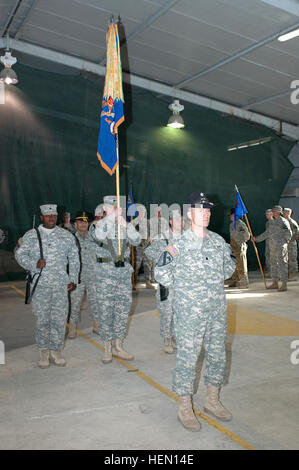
(254, 245)
(117, 195)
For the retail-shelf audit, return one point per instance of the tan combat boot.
(274, 285)
(95, 328)
(107, 356)
(173, 342)
(44, 359)
(57, 359)
(168, 348)
(186, 415)
(72, 331)
(214, 406)
(283, 287)
(119, 351)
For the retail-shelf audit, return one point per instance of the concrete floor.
(122, 405)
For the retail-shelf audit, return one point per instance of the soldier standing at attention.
(195, 266)
(164, 295)
(279, 234)
(66, 222)
(114, 279)
(239, 235)
(292, 245)
(88, 258)
(269, 217)
(50, 299)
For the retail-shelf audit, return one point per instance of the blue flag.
(112, 112)
(240, 209)
(131, 208)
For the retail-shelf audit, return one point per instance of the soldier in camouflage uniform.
(114, 279)
(87, 282)
(279, 234)
(164, 296)
(195, 266)
(292, 246)
(269, 216)
(239, 235)
(50, 299)
(140, 223)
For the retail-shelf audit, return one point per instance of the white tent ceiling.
(218, 53)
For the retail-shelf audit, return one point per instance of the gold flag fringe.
(113, 81)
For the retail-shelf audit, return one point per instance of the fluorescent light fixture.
(176, 121)
(250, 143)
(288, 36)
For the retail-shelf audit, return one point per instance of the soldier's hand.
(71, 286)
(253, 239)
(41, 263)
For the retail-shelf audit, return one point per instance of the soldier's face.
(276, 214)
(269, 215)
(81, 226)
(49, 221)
(200, 217)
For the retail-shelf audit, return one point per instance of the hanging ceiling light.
(8, 75)
(176, 121)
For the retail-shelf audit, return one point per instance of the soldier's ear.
(189, 214)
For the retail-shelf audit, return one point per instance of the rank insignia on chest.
(173, 251)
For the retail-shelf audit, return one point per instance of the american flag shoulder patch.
(172, 250)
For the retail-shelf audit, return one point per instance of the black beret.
(197, 199)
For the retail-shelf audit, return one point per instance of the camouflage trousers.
(240, 274)
(114, 297)
(148, 265)
(50, 308)
(165, 308)
(267, 256)
(210, 328)
(279, 262)
(292, 255)
(76, 298)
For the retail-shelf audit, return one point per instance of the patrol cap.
(287, 209)
(110, 201)
(268, 211)
(199, 199)
(49, 209)
(82, 216)
(277, 209)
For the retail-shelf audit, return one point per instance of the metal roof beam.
(239, 54)
(150, 20)
(5, 29)
(290, 6)
(152, 86)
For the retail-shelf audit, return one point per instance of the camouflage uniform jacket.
(106, 233)
(197, 266)
(240, 234)
(88, 256)
(59, 250)
(278, 232)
